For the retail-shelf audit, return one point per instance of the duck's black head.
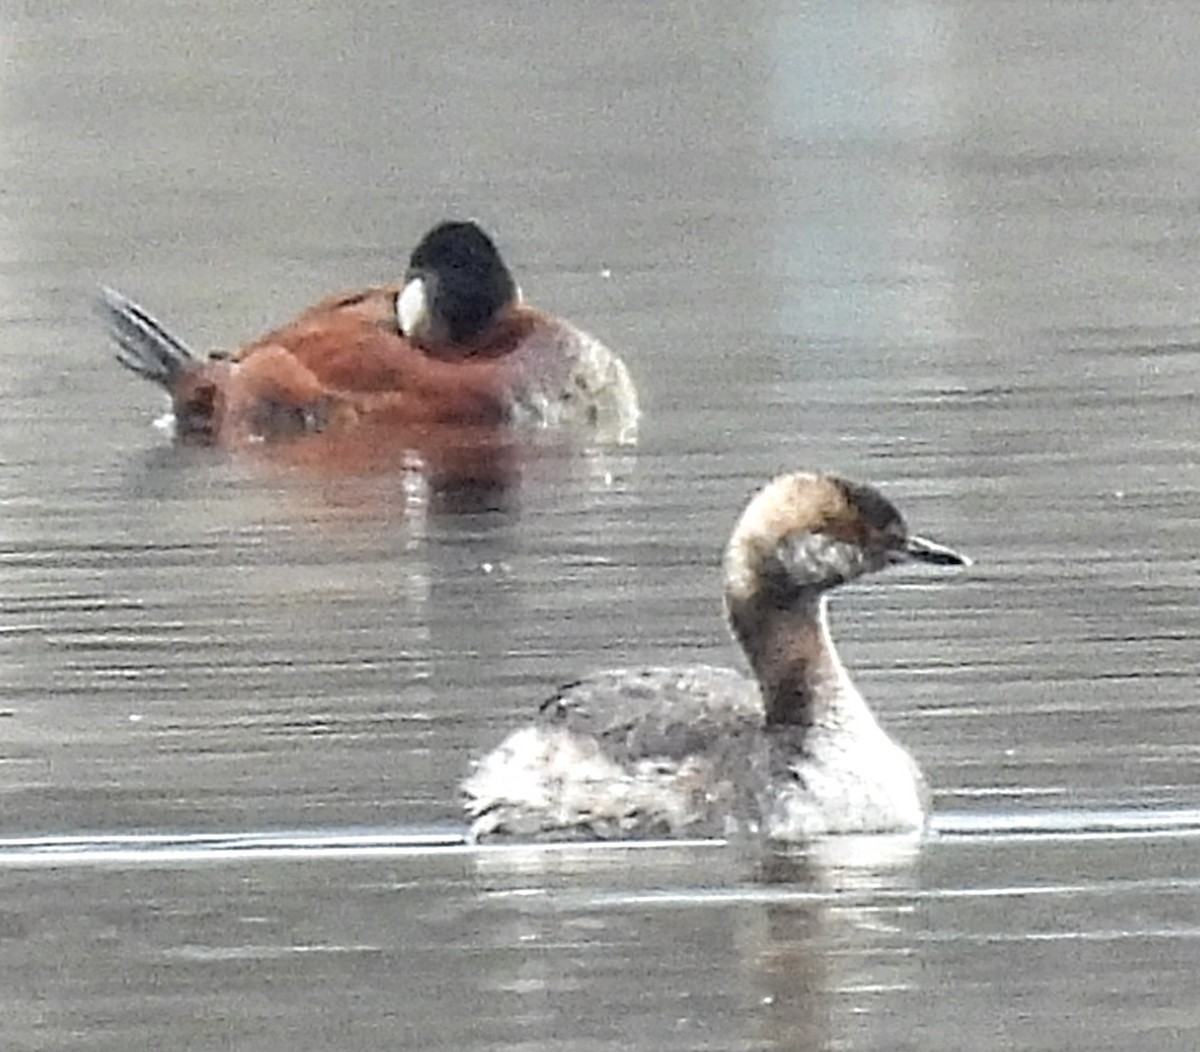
(455, 286)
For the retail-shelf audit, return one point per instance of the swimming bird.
(451, 345)
(793, 754)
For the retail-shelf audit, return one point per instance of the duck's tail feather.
(143, 344)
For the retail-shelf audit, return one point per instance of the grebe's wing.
(658, 712)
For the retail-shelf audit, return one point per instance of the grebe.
(703, 751)
(453, 344)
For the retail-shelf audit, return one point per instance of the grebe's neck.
(803, 681)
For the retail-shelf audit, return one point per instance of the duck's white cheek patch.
(412, 307)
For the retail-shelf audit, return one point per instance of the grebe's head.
(804, 533)
(455, 286)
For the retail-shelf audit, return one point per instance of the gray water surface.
(947, 247)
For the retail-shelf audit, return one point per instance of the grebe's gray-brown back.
(703, 751)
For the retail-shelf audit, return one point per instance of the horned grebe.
(450, 345)
(703, 751)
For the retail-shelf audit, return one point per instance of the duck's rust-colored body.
(450, 346)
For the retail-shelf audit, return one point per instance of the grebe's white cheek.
(412, 307)
(817, 558)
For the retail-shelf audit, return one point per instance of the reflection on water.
(795, 954)
(658, 947)
(941, 248)
(838, 863)
(374, 473)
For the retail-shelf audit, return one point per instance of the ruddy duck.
(452, 344)
(703, 751)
